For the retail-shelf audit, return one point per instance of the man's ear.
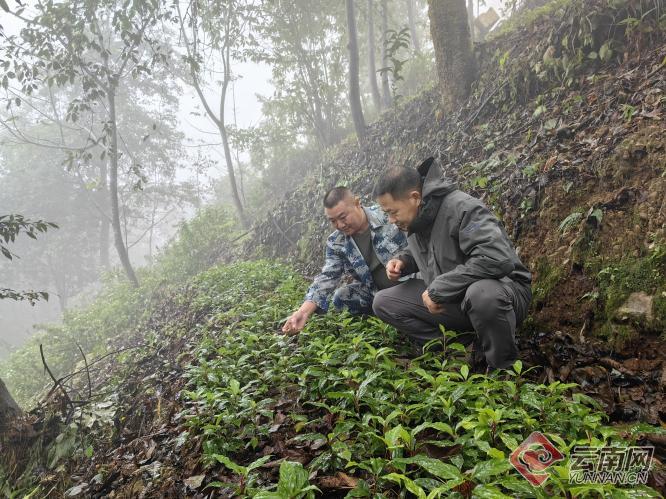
(415, 195)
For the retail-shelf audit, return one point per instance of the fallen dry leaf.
(195, 481)
(339, 481)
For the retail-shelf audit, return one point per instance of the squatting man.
(469, 275)
(363, 242)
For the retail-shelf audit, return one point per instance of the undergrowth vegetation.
(343, 396)
(345, 399)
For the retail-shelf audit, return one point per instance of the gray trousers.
(492, 308)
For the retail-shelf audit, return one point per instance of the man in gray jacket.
(471, 277)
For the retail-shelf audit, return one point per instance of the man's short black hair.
(398, 181)
(335, 195)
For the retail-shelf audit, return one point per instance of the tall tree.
(307, 51)
(354, 89)
(372, 68)
(306, 48)
(222, 29)
(416, 44)
(449, 28)
(387, 100)
(96, 45)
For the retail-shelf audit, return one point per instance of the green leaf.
(489, 492)
(408, 484)
(442, 470)
(464, 370)
(258, 463)
(539, 111)
(605, 52)
(495, 453)
(518, 366)
(439, 426)
(397, 436)
(236, 468)
(509, 441)
(363, 387)
(487, 469)
(293, 479)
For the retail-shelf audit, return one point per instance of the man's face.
(401, 211)
(347, 216)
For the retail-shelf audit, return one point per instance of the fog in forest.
(280, 69)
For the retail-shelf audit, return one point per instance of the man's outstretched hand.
(433, 308)
(394, 269)
(296, 322)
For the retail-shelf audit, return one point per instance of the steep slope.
(218, 404)
(188, 389)
(564, 137)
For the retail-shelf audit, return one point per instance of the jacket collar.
(373, 220)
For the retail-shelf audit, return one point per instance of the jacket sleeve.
(488, 252)
(405, 256)
(327, 281)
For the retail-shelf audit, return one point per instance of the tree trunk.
(372, 69)
(105, 226)
(113, 190)
(453, 50)
(9, 409)
(225, 141)
(354, 89)
(470, 18)
(387, 101)
(416, 45)
(217, 119)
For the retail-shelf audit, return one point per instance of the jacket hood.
(434, 182)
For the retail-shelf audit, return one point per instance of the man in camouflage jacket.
(363, 242)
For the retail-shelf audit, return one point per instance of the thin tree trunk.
(105, 226)
(416, 45)
(372, 69)
(225, 138)
(470, 18)
(113, 190)
(152, 229)
(241, 183)
(354, 90)
(9, 409)
(217, 119)
(387, 101)
(453, 50)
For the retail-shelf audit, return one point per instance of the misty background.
(285, 104)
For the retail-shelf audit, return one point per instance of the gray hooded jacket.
(458, 243)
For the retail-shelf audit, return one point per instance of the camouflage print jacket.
(343, 256)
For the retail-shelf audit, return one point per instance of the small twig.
(483, 104)
(99, 359)
(283, 233)
(242, 235)
(56, 381)
(87, 370)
